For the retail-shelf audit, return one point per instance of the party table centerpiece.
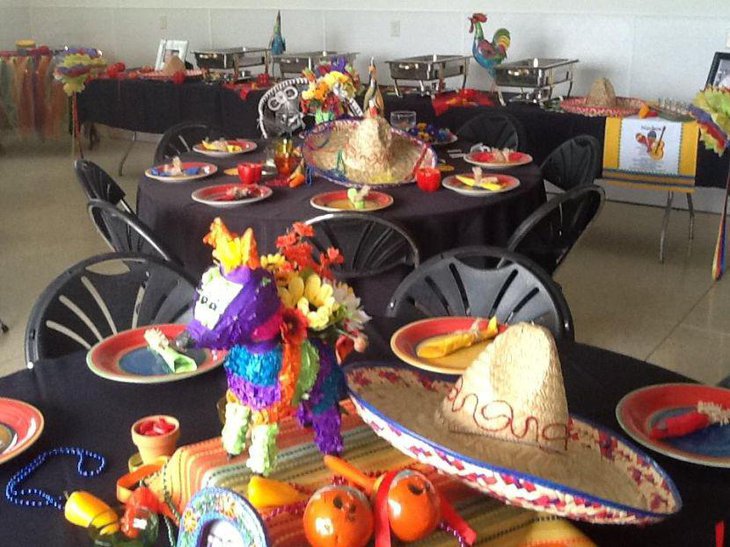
(287, 325)
(331, 86)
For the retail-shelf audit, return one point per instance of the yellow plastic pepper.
(85, 509)
(263, 493)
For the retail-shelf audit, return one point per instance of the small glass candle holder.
(405, 120)
(249, 172)
(428, 179)
(284, 157)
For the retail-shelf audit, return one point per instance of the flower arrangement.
(286, 323)
(76, 65)
(330, 84)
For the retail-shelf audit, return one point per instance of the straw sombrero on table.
(355, 152)
(504, 429)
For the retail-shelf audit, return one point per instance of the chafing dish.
(429, 68)
(540, 76)
(232, 62)
(295, 63)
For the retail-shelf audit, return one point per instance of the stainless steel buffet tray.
(538, 74)
(234, 58)
(429, 68)
(294, 63)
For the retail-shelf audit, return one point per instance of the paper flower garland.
(711, 109)
(76, 65)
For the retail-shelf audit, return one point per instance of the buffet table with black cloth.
(154, 106)
(437, 221)
(85, 410)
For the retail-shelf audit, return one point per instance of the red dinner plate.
(487, 159)
(246, 146)
(506, 182)
(20, 426)
(125, 357)
(337, 201)
(204, 170)
(221, 195)
(640, 410)
(405, 341)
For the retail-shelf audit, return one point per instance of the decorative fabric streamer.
(711, 109)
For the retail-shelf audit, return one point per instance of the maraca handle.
(344, 468)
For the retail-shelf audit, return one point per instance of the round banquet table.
(99, 417)
(437, 221)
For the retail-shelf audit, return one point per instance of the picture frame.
(167, 48)
(719, 70)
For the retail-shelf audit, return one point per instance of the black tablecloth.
(437, 221)
(154, 106)
(84, 410)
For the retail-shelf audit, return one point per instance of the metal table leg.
(126, 153)
(691, 208)
(665, 223)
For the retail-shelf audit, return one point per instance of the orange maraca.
(414, 506)
(338, 516)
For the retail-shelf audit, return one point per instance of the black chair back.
(574, 163)
(182, 137)
(496, 128)
(551, 231)
(124, 232)
(483, 282)
(371, 245)
(98, 184)
(103, 295)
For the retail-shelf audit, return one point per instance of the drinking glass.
(404, 120)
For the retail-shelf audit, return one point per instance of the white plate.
(246, 146)
(455, 185)
(206, 169)
(210, 195)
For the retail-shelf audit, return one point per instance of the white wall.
(647, 49)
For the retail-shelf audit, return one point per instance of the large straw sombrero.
(326, 149)
(542, 459)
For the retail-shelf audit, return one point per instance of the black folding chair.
(496, 129)
(371, 245)
(483, 282)
(378, 253)
(182, 137)
(551, 231)
(574, 163)
(125, 233)
(98, 184)
(103, 295)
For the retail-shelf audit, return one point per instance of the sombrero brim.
(601, 478)
(625, 106)
(323, 143)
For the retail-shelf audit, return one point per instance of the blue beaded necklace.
(35, 497)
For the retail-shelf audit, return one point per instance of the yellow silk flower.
(318, 302)
(292, 292)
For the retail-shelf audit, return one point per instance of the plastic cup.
(249, 172)
(428, 179)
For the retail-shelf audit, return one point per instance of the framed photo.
(720, 70)
(168, 48)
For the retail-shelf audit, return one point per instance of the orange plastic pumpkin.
(414, 507)
(338, 516)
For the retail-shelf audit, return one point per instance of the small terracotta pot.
(152, 447)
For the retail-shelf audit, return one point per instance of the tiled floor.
(621, 297)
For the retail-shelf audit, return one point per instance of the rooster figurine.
(488, 54)
(373, 104)
(277, 44)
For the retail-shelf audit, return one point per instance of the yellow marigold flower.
(292, 292)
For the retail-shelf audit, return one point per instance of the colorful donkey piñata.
(287, 324)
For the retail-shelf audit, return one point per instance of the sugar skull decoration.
(287, 325)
